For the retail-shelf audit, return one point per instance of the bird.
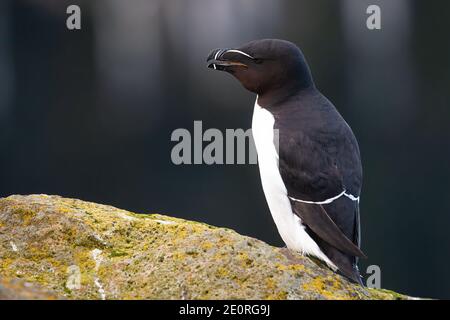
(309, 159)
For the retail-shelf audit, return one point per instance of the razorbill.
(309, 159)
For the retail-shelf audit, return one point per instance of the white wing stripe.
(330, 200)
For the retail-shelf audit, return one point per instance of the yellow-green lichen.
(124, 255)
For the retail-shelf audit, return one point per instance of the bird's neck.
(278, 95)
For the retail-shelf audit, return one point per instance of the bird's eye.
(258, 60)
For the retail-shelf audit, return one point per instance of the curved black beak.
(217, 61)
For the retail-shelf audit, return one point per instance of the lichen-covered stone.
(20, 290)
(82, 250)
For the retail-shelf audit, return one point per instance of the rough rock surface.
(82, 250)
(17, 289)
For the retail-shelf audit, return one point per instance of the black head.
(264, 66)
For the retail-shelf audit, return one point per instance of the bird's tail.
(351, 272)
(346, 264)
(339, 242)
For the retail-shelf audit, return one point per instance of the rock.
(20, 290)
(83, 250)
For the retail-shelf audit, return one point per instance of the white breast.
(288, 224)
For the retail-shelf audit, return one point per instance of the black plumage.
(319, 157)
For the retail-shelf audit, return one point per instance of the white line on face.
(240, 52)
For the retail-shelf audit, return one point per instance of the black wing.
(318, 159)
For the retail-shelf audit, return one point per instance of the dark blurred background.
(89, 114)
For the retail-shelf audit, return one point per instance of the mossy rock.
(83, 250)
(17, 289)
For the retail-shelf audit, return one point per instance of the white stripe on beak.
(215, 58)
